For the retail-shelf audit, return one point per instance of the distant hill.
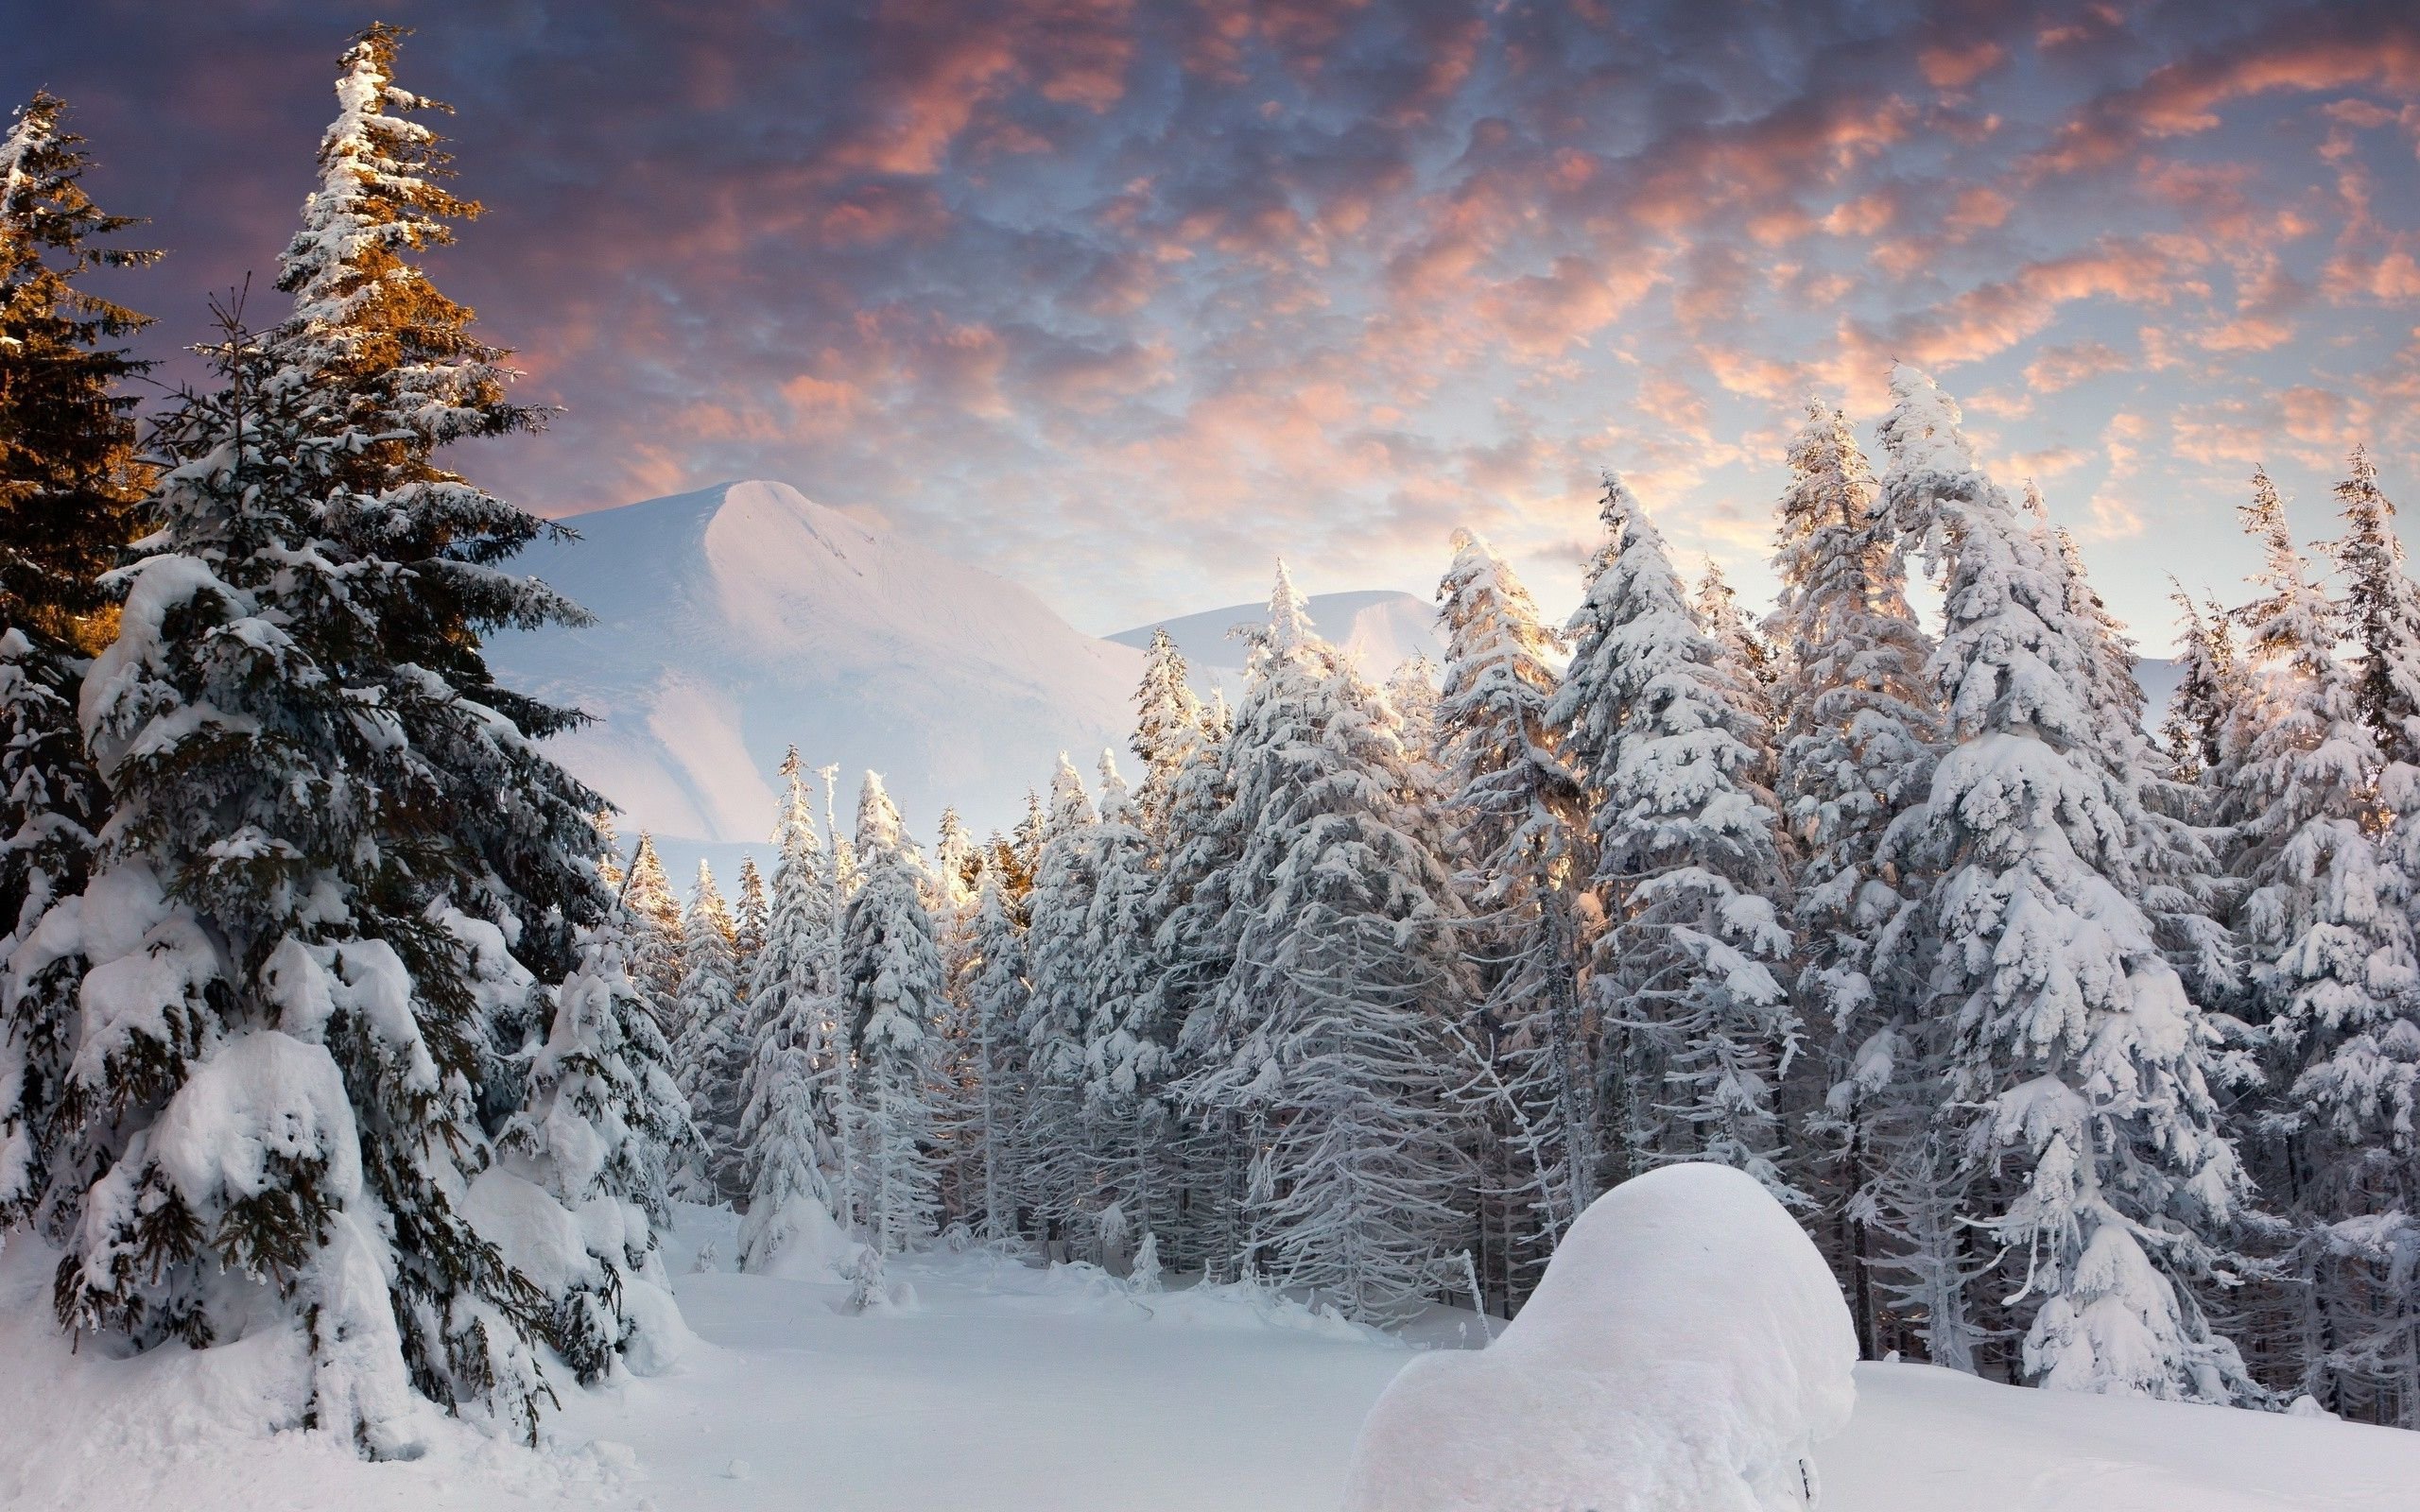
(741, 618)
(1380, 628)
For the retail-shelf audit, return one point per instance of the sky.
(1126, 300)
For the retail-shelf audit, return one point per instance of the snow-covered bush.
(1685, 1351)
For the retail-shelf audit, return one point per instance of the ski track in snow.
(1008, 1388)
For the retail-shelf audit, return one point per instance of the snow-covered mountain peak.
(738, 619)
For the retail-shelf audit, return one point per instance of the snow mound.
(1683, 1352)
(800, 1241)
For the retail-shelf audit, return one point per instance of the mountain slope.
(1381, 628)
(740, 619)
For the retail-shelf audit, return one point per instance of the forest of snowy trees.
(2088, 1056)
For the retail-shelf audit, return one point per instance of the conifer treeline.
(2091, 1062)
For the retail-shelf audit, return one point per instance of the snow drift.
(1683, 1352)
(736, 620)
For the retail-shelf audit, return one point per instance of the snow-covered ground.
(1008, 1387)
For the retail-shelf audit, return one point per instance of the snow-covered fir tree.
(1519, 823)
(2196, 727)
(655, 922)
(790, 1124)
(1125, 1053)
(892, 994)
(2080, 1067)
(1685, 972)
(1326, 1038)
(2381, 611)
(1061, 1165)
(750, 911)
(1168, 729)
(335, 852)
(1858, 726)
(2327, 915)
(711, 1053)
(994, 997)
(604, 1128)
(69, 481)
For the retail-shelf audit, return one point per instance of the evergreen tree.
(1858, 728)
(328, 826)
(2327, 915)
(749, 914)
(654, 913)
(1519, 821)
(995, 1001)
(1326, 1037)
(1125, 1053)
(1664, 736)
(893, 993)
(2382, 612)
(603, 1130)
(1060, 1170)
(68, 487)
(2078, 1064)
(2194, 734)
(710, 1054)
(790, 1120)
(392, 372)
(1168, 728)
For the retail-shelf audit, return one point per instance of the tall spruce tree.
(1326, 1036)
(1859, 727)
(1519, 824)
(70, 484)
(893, 995)
(790, 1123)
(2381, 611)
(326, 814)
(710, 1054)
(1664, 735)
(2327, 915)
(603, 1128)
(2078, 1064)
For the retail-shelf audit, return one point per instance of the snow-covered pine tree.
(995, 994)
(2080, 1067)
(790, 1122)
(1192, 947)
(2195, 733)
(603, 1130)
(322, 803)
(1859, 727)
(1519, 826)
(1060, 1173)
(749, 912)
(1168, 728)
(259, 968)
(69, 483)
(2380, 612)
(1662, 736)
(891, 995)
(1125, 1053)
(654, 922)
(1754, 661)
(1327, 1036)
(711, 1055)
(2327, 917)
(2181, 886)
(392, 372)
